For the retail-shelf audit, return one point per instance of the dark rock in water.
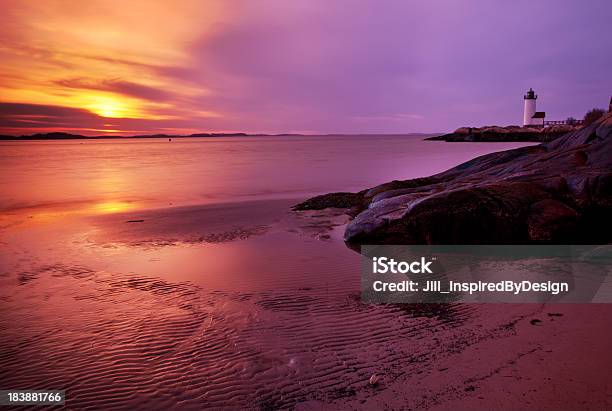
(556, 192)
(332, 200)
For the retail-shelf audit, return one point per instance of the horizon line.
(59, 135)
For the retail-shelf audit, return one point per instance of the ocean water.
(173, 275)
(157, 172)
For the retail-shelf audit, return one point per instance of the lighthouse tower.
(530, 108)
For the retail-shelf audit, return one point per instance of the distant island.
(506, 134)
(463, 134)
(69, 136)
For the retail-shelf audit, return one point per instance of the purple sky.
(360, 67)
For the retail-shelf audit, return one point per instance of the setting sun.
(109, 107)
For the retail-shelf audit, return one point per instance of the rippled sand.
(250, 306)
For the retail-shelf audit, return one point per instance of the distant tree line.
(589, 118)
(593, 115)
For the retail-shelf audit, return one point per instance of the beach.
(175, 275)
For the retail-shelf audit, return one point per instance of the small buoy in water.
(374, 379)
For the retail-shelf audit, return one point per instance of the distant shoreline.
(463, 134)
(69, 136)
(506, 134)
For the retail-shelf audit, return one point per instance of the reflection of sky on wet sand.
(225, 323)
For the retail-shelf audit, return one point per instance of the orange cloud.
(104, 57)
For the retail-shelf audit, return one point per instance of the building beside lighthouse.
(531, 117)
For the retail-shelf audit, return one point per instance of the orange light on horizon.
(109, 207)
(109, 107)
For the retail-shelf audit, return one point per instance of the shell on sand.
(374, 379)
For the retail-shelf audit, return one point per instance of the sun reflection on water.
(112, 207)
(52, 213)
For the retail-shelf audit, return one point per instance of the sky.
(301, 66)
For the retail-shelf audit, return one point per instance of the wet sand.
(248, 305)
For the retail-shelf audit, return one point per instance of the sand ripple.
(118, 341)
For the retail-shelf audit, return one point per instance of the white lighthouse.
(530, 107)
(531, 117)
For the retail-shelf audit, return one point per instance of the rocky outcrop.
(333, 200)
(507, 134)
(556, 192)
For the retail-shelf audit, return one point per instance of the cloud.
(20, 119)
(119, 86)
(43, 111)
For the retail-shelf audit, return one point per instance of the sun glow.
(109, 107)
(112, 207)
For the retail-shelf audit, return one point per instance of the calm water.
(226, 299)
(206, 170)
